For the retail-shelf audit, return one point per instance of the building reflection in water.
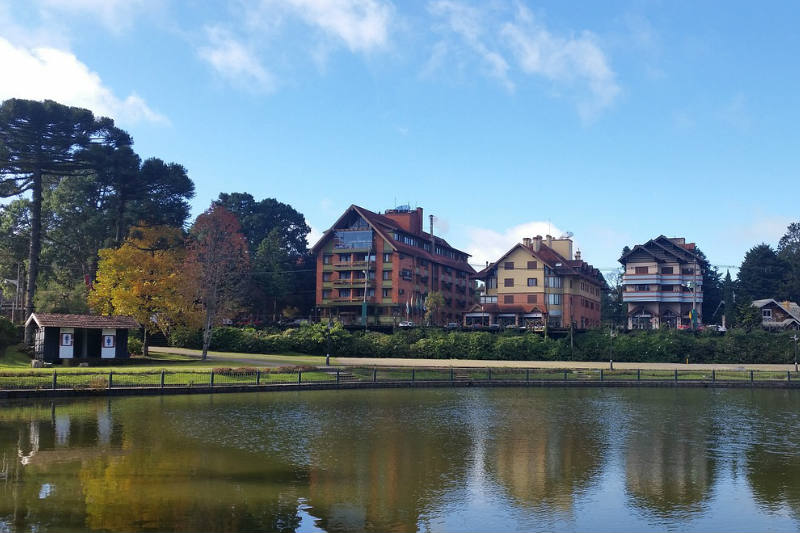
(669, 467)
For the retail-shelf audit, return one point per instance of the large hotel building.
(539, 282)
(663, 283)
(388, 265)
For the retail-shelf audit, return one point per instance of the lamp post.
(364, 302)
(328, 339)
(611, 336)
(794, 338)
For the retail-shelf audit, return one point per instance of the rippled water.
(403, 460)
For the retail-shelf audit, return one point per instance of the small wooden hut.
(60, 337)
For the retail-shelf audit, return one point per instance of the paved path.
(288, 360)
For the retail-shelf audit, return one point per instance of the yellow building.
(539, 282)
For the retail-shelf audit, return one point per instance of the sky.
(617, 121)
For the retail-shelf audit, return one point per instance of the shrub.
(134, 346)
(8, 334)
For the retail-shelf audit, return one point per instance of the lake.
(499, 459)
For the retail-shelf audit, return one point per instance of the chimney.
(537, 243)
(526, 241)
(577, 255)
(549, 240)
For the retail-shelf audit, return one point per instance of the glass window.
(532, 282)
(326, 276)
(353, 239)
(326, 294)
(508, 282)
(387, 257)
(344, 274)
(554, 299)
(531, 298)
(386, 293)
(532, 265)
(387, 275)
(344, 293)
(508, 299)
(509, 265)
(327, 259)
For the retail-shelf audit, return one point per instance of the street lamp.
(611, 336)
(328, 338)
(364, 302)
(794, 338)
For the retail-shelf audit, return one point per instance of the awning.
(506, 315)
(532, 315)
(476, 315)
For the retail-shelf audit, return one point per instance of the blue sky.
(617, 121)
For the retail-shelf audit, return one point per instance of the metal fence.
(166, 379)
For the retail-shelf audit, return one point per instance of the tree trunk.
(33, 252)
(145, 344)
(207, 334)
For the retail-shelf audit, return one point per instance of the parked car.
(406, 324)
(453, 325)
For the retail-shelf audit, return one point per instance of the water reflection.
(403, 460)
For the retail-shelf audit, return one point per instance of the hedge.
(736, 346)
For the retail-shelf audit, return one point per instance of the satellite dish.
(567, 235)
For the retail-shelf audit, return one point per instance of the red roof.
(48, 320)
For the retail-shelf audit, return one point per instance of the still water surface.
(403, 460)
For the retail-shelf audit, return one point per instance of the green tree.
(614, 310)
(748, 317)
(40, 143)
(762, 274)
(273, 269)
(728, 297)
(433, 303)
(789, 251)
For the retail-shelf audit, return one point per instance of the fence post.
(676, 374)
(601, 374)
(211, 381)
(713, 376)
(337, 376)
(55, 380)
(374, 375)
(110, 379)
(490, 373)
(751, 376)
(451, 373)
(638, 374)
(258, 377)
(565, 376)
(162, 379)
(528, 375)
(788, 376)
(413, 374)
(299, 376)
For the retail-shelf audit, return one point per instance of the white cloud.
(466, 22)
(50, 73)
(313, 236)
(362, 25)
(565, 60)
(116, 15)
(234, 60)
(489, 245)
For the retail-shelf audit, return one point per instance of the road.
(288, 360)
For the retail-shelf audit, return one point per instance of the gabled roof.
(52, 320)
(792, 310)
(385, 226)
(554, 260)
(663, 250)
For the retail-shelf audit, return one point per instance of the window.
(666, 270)
(491, 283)
(344, 258)
(641, 270)
(508, 282)
(531, 298)
(406, 274)
(667, 288)
(344, 293)
(508, 299)
(570, 284)
(554, 282)
(345, 274)
(387, 257)
(554, 299)
(360, 274)
(532, 265)
(766, 314)
(508, 265)
(401, 291)
(387, 275)
(370, 293)
(352, 239)
(386, 293)
(326, 259)
(326, 294)
(326, 276)
(643, 288)
(532, 282)
(358, 293)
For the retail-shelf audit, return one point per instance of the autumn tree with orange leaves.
(141, 278)
(216, 268)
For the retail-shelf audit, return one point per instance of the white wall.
(65, 352)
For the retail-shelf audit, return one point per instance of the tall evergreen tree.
(789, 251)
(43, 142)
(762, 274)
(728, 297)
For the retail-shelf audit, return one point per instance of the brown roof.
(48, 320)
(382, 223)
